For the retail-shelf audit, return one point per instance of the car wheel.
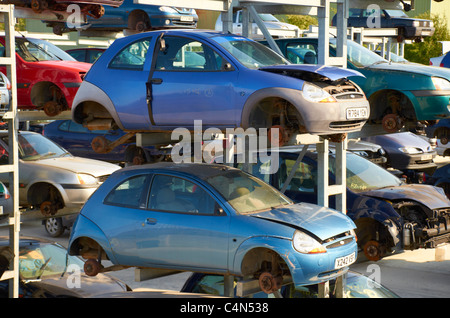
(54, 227)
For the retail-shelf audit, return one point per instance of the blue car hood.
(427, 195)
(413, 68)
(320, 221)
(332, 72)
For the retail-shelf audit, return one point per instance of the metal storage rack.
(13, 221)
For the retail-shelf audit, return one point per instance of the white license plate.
(426, 157)
(355, 113)
(186, 19)
(344, 261)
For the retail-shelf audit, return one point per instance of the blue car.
(93, 144)
(210, 218)
(391, 216)
(162, 80)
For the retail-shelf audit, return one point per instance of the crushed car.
(400, 95)
(47, 77)
(210, 218)
(391, 216)
(50, 178)
(224, 80)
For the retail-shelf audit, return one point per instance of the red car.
(91, 7)
(47, 77)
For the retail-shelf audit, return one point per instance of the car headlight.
(86, 178)
(441, 84)
(410, 150)
(315, 94)
(305, 244)
(167, 9)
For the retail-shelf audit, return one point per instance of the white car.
(276, 28)
(50, 178)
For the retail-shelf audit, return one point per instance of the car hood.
(413, 68)
(280, 25)
(427, 195)
(74, 66)
(96, 168)
(332, 72)
(89, 286)
(320, 221)
(402, 139)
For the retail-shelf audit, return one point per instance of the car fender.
(291, 95)
(89, 92)
(281, 246)
(50, 182)
(83, 227)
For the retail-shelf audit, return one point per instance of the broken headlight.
(315, 94)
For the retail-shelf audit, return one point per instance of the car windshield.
(364, 175)
(396, 13)
(40, 260)
(360, 56)
(267, 17)
(250, 53)
(247, 194)
(35, 147)
(35, 50)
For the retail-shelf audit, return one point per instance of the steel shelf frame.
(13, 222)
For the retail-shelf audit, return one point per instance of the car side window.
(183, 54)
(304, 179)
(130, 193)
(132, 56)
(301, 53)
(173, 194)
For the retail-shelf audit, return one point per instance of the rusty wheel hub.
(373, 250)
(392, 123)
(48, 208)
(269, 283)
(52, 108)
(277, 136)
(100, 144)
(92, 267)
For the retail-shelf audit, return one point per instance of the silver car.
(5, 92)
(50, 178)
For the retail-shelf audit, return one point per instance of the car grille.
(102, 179)
(346, 124)
(339, 240)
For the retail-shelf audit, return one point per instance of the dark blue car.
(79, 140)
(142, 17)
(390, 216)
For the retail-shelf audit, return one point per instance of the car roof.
(201, 170)
(24, 240)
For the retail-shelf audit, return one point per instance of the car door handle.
(156, 80)
(151, 221)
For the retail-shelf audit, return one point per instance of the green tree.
(302, 21)
(430, 46)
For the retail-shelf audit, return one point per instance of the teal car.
(398, 94)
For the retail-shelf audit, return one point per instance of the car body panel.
(60, 172)
(119, 18)
(54, 282)
(412, 80)
(408, 28)
(386, 200)
(65, 73)
(149, 236)
(222, 97)
(422, 157)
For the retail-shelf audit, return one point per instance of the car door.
(182, 226)
(191, 81)
(120, 217)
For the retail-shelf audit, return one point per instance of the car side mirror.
(218, 210)
(227, 67)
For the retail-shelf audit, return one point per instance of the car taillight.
(441, 65)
